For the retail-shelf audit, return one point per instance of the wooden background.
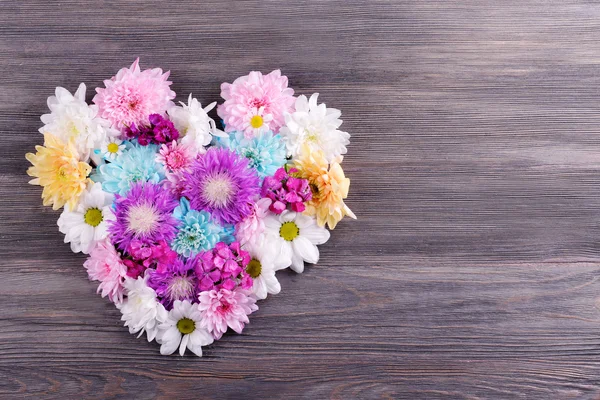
(472, 272)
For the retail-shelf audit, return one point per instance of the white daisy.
(141, 311)
(71, 118)
(182, 329)
(315, 125)
(266, 259)
(194, 124)
(111, 148)
(87, 224)
(296, 237)
(256, 122)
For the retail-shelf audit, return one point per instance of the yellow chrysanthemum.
(57, 168)
(329, 187)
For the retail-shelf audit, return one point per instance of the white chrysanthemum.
(194, 124)
(182, 329)
(71, 118)
(141, 311)
(266, 259)
(316, 126)
(87, 224)
(296, 235)
(111, 148)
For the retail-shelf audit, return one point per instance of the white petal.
(305, 249)
(297, 263)
(183, 344)
(315, 234)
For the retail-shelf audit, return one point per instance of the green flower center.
(254, 268)
(289, 231)
(93, 216)
(186, 326)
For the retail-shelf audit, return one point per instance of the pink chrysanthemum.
(252, 227)
(104, 264)
(225, 308)
(132, 95)
(255, 103)
(176, 157)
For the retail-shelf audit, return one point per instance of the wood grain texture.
(472, 272)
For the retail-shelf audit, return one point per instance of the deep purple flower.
(284, 189)
(143, 217)
(160, 130)
(174, 281)
(221, 183)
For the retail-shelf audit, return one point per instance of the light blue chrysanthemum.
(266, 152)
(227, 234)
(196, 233)
(136, 164)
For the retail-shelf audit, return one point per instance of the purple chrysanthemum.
(175, 281)
(143, 215)
(222, 183)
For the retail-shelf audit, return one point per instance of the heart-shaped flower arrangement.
(185, 225)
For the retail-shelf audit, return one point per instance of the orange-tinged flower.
(329, 186)
(57, 168)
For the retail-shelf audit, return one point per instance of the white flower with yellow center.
(182, 330)
(71, 118)
(111, 148)
(193, 123)
(256, 122)
(265, 260)
(315, 126)
(295, 236)
(141, 311)
(87, 224)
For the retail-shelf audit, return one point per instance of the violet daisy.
(175, 281)
(143, 215)
(221, 183)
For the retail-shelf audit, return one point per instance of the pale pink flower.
(104, 264)
(251, 228)
(256, 103)
(225, 308)
(132, 95)
(176, 157)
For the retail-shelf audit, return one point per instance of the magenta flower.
(146, 256)
(143, 217)
(132, 95)
(283, 189)
(159, 131)
(221, 183)
(223, 267)
(225, 308)
(255, 103)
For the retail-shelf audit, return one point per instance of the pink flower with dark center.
(132, 95)
(225, 308)
(176, 157)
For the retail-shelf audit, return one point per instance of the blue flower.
(266, 152)
(136, 164)
(196, 233)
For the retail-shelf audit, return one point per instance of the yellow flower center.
(256, 121)
(186, 326)
(254, 268)
(289, 231)
(93, 217)
(112, 147)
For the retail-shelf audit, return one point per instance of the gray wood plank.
(472, 270)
